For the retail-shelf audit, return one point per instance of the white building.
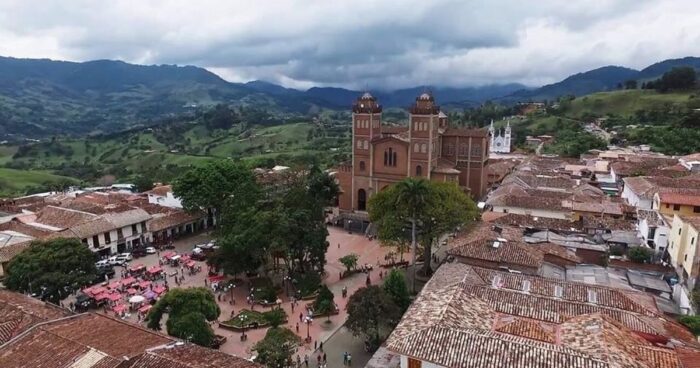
(163, 195)
(500, 142)
(654, 230)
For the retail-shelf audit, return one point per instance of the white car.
(103, 263)
(114, 261)
(150, 250)
(124, 257)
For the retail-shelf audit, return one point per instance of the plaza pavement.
(341, 243)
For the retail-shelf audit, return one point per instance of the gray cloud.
(378, 44)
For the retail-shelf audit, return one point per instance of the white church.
(500, 143)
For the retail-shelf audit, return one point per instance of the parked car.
(139, 252)
(102, 263)
(198, 256)
(151, 250)
(125, 257)
(114, 261)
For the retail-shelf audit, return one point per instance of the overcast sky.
(380, 44)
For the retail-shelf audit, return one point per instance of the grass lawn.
(624, 103)
(14, 182)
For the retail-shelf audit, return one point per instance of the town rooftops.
(161, 190)
(19, 312)
(472, 317)
(686, 197)
(58, 218)
(550, 204)
(186, 355)
(501, 251)
(694, 221)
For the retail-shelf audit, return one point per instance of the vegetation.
(52, 269)
(324, 305)
(349, 261)
(20, 182)
(277, 348)
(188, 312)
(639, 254)
(573, 143)
(251, 319)
(395, 286)
(372, 314)
(692, 322)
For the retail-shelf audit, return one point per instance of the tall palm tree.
(413, 195)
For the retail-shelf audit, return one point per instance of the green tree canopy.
(143, 183)
(277, 348)
(349, 261)
(52, 269)
(639, 254)
(372, 314)
(395, 286)
(324, 301)
(188, 312)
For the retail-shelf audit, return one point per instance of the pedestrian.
(318, 360)
(345, 358)
(381, 277)
(320, 346)
(324, 358)
(306, 360)
(205, 282)
(298, 361)
(301, 317)
(340, 275)
(315, 344)
(349, 359)
(338, 245)
(292, 306)
(297, 327)
(368, 281)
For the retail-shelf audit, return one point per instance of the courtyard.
(319, 330)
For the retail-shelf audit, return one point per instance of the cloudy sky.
(380, 44)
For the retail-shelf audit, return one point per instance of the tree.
(188, 312)
(143, 183)
(692, 322)
(402, 202)
(631, 84)
(216, 185)
(395, 287)
(683, 77)
(324, 302)
(371, 314)
(277, 347)
(52, 269)
(639, 254)
(349, 261)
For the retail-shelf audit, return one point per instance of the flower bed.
(253, 319)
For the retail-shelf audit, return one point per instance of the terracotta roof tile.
(188, 356)
(19, 312)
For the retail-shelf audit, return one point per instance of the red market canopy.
(145, 308)
(115, 297)
(190, 264)
(101, 296)
(168, 255)
(159, 289)
(144, 284)
(137, 267)
(97, 290)
(185, 258)
(216, 278)
(114, 285)
(155, 269)
(132, 291)
(119, 308)
(128, 281)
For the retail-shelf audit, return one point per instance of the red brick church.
(428, 147)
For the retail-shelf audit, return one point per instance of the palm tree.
(413, 195)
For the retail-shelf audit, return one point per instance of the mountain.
(596, 80)
(654, 71)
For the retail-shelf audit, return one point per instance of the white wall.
(168, 201)
(634, 200)
(531, 212)
(128, 235)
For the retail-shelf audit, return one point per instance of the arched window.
(416, 148)
(362, 166)
(365, 145)
(393, 159)
(390, 157)
(361, 200)
(386, 158)
(419, 170)
(424, 148)
(359, 143)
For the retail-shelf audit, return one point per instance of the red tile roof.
(19, 313)
(686, 198)
(181, 355)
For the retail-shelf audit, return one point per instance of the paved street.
(341, 243)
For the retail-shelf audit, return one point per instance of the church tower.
(492, 134)
(507, 137)
(366, 126)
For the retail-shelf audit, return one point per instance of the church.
(500, 143)
(426, 147)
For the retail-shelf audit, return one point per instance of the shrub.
(639, 254)
(692, 322)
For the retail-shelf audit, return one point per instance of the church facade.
(427, 147)
(500, 143)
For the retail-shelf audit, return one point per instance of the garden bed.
(402, 264)
(254, 319)
(264, 291)
(334, 312)
(306, 285)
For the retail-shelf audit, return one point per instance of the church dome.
(424, 96)
(367, 96)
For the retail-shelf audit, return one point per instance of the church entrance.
(361, 200)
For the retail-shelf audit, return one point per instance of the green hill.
(627, 102)
(17, 182)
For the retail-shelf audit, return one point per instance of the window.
(134, 230)
(592, 297)
(416, 148)
(685, 258)
(365, 144)
(676, 207)
(143, 226)
(108, 238)
(362, 166)
(359, 144)
(558, 291)
(120, 234)
(424, 148)
(419, 170)
(463, 149)
(84, 241)
(476, 150)
(95, 241)
(361, 200)
(450, 149)
(696, 209)
(692, 240)
(390, 157)
(667, 205)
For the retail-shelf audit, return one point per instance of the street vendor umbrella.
(175, 257)
(132, 291)
(114, 285)
(216, 278)
(102, 296)
(145, 308)
(115, 297)
(98, 290)
(137, 267)
(159, 289)
(168, 255)
(128, 281)
(185, 258)
(150, 294)
(190, 264)
(137, 299)
(119, 308)
(154, 270)
(144, 284)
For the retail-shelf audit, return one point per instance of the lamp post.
(243, 319)
(308, 320)
(287, 279)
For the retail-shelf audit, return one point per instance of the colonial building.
(428, 147)
(500, 142)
